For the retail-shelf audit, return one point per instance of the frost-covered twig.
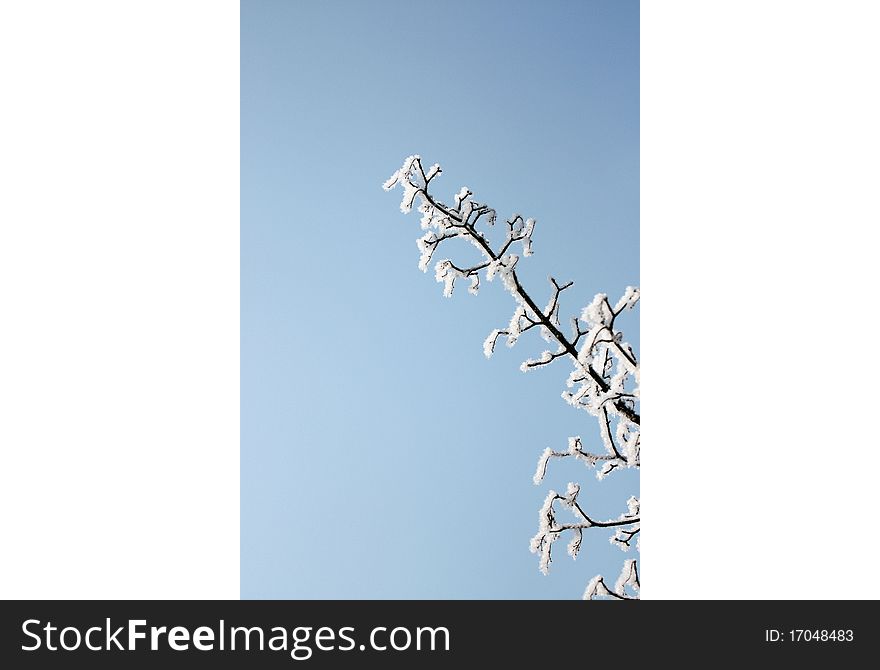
(626, 587)
(443, 222)
(626, 526)
(605, 375)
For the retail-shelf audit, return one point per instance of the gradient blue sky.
(382, 456)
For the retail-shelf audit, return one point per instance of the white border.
(119, 350)
(760, 176)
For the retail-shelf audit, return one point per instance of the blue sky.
(382, 456)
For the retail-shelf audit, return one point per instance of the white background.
(119, 377)
(760, 180)
(119, 290)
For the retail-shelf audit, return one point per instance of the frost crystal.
(542, 465)
(489, 344)
(597, 312)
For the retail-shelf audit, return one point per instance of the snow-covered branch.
(443, 222)
(625, 588)
(626, 527)
(604, 380)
